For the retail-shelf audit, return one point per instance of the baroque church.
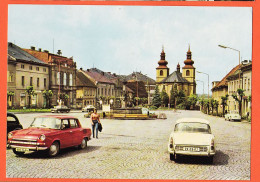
(185, 81)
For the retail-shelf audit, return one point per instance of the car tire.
(172, 158)
(177, 158)
(210, 159)
(84, 143)
(68, 111)
(18, 153)
(54, 149)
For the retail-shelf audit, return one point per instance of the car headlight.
(10, 135)
(42, 137)
(171, 143)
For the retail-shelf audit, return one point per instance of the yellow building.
(185, 81)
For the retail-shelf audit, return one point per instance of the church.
(185, 81)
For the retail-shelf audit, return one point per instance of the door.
(65, 135)
(76, 133)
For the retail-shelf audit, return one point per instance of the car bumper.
(209, 152)
(28, 148)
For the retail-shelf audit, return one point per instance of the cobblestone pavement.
(137, 149)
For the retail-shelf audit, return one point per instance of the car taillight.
(212, 145)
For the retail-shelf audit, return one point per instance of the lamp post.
(208, 81)
(203, 84)
(226, 47)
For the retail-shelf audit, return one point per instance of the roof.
(19, 54)
(97, 76)
(174, 77)
(192, 120)
(83, 81)
(223, 82)
(57, 116)
(140, 77)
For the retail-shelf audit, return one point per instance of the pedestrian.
(94, 121)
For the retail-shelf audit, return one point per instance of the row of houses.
(240, 77)
(70, 86)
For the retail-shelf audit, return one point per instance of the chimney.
(33, 48)
(59, 52)
(40, 50)
(103, 73)
(81, 68)
(87, 70)
(46, 51)
(114, 74)
(10, 44)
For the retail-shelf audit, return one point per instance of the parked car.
(13, 122)
(233, 115)
(88, 108)
(60, 109)
(191, 136)
(49, 134)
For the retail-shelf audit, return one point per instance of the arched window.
(161, 73)
(188, 73)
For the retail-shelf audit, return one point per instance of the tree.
(239, 97)
(174, 95)
(211, 104)
(64, 97)
(206, 105)
(48, 95)
(156, 97)
(164, 98)
(224, 103)
(215, 105)
(201, 101)
(192, 100)
(30, 91)
(172, 99)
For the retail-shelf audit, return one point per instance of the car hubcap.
(83, 143)
(53, 149)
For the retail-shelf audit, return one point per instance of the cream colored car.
(192, 136)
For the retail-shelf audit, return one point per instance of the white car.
(233, 115)
(88, 108)
(191, 136)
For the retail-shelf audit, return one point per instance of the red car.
(50, 134)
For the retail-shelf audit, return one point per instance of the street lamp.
(226, 47)
(203, 84)
(208, 81)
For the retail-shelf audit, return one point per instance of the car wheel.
(172, 158)
(84, 143)
(176, 158)
(18, 153)
(210, 159)
(68, 111)
(54, 149)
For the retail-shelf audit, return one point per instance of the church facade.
(184, 80)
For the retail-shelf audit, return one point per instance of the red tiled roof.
(98, 77)
(223, 82)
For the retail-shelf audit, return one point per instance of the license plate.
(193, 149)
(22, 150)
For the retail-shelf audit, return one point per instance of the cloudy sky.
(123, 39)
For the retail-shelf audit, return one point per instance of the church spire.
(189, 62)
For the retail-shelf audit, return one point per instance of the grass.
(29, 110)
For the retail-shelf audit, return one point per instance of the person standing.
(94, 121)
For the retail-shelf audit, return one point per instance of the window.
(64, 79)
(98, 90)
(37, 68)
(73, 123)
(22, 80)
(38, 82)
(188, 73)
(30, 67)
(248, 84)
(22, 66)
(44, 69)
(161, 72)
(31, 81)
(70, 80)
(45, 82)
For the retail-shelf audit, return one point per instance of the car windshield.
(44, 122)
(192, 127)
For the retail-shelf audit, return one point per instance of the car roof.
(57, 116)
(192, 120)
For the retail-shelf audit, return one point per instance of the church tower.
(188, 72)
(162, 71)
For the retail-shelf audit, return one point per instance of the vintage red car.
(49, 133)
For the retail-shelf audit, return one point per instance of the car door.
(76, 132)
(66, 134)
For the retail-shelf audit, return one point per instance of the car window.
(73, 123)
(11, 119)
(65, 123)
(192, 127)
(45, 122)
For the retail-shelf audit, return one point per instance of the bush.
(153, 108)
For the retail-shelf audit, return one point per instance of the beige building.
(185, 81)
(86, 90)
(25, 70)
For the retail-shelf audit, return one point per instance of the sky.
(123, 39)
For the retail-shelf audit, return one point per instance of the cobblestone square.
(137, 149)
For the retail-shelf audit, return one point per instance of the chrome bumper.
(36, 148)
